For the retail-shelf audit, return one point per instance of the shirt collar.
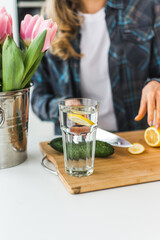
(115, 4)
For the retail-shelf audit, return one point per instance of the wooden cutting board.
(119, 169)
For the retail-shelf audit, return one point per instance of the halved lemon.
(76, 118)
(152, 136)
(137, 148)
(79, 112)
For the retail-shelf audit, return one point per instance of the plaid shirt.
(134, 60)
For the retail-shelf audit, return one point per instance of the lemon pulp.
(137, 148)
(152, 136)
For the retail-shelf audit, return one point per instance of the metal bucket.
(13, 127)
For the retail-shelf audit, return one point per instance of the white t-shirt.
(94, 70)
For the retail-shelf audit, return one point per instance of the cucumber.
(103, 149)
(81, 150)
(57, 144)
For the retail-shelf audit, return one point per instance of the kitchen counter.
(35, 205)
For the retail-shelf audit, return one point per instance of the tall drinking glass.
(78, 121)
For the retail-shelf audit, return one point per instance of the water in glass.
(78, 125)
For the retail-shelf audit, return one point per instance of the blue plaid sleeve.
(154, 67)
(45, 98)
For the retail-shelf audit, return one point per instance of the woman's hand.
(150, 101)
(72, 102)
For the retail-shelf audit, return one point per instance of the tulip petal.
(9, 27)
(29, 28)
(36, 28)
(45, 24)
(5, 25)
(2, 9)
(49, 37)
(26, 20)
(3, 28)
(24, 24)
(47, 43)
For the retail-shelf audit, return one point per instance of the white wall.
(36, 126)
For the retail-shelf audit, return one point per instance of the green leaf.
(32, 71)
(23, 46)
(34, 52)
(0, 61)
(12, 66)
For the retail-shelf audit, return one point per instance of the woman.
(106, 50)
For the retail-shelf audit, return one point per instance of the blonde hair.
(64, 13)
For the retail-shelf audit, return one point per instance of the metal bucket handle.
(2, 117)
(47, 168)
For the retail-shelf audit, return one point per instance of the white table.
(35, 205)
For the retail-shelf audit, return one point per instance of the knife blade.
(111, 138)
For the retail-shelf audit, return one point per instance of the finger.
(142, 110)
(72, 102)
(151, 106)
(157, 122)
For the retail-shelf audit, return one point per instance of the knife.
(111, 138)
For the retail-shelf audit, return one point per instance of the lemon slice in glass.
(137, 148)
(79, 112)
(76, 118)
(152, 136)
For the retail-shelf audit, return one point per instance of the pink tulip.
(32, 26)
(5, 25)
(27, 26)
(51, 28)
